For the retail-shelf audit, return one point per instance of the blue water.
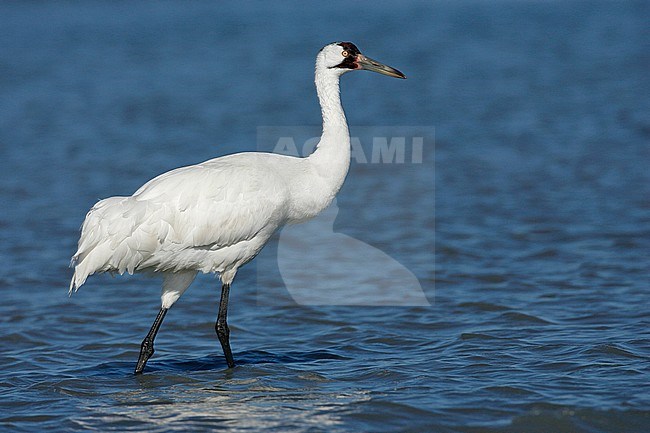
(526, 223)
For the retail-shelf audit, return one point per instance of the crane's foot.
(146, 351)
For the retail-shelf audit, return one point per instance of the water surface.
(526, 225)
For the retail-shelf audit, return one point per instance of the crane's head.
(343, 57)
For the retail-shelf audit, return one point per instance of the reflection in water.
(321, 267)
(246, 404)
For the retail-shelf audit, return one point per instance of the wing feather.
(211, 205)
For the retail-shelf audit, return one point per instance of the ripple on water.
(613, 351)
(478, 336)
(515, 316)
(509, 390)
(483, 306)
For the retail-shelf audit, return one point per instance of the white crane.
(217, 215)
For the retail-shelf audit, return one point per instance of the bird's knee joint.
(222, 329)
(147, 347)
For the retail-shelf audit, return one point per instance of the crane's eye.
(345, 53)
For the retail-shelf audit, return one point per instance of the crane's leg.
(223, 332)
(146, 349)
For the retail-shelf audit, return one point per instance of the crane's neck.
(331, 159)
(316, 179)
(334, 123)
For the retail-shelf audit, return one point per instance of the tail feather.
(104, 241)
(81, 273)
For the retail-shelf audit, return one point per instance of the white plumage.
(210, 217)
(215, 216)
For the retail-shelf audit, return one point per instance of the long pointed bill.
(374, 66)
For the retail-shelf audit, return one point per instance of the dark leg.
(146, 350)
(223, 332)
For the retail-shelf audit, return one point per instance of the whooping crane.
(217, 215)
